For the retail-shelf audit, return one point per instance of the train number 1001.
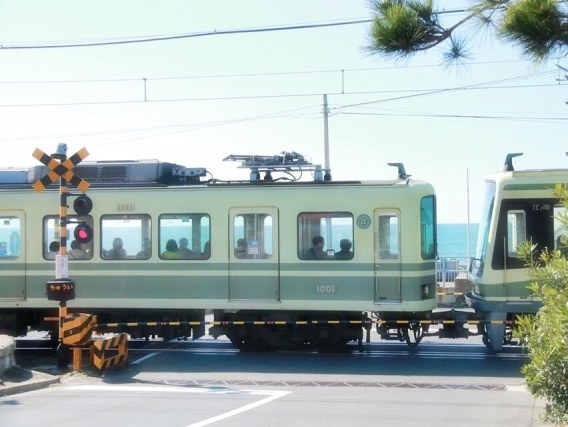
(325, 289)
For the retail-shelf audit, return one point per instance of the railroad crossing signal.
(62, 289)
(63, 169)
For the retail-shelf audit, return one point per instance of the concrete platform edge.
(18, 380)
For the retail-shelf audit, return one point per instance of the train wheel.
(253, 343)
(495, 330)
(329, 343)
(507, 339)
(413, 334)
(246, 340)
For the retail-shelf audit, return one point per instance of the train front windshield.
(484, 226)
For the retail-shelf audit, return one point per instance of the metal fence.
(453, 281)
(448, 269)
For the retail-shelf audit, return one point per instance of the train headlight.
(425, 292)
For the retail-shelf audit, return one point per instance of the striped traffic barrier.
(77, 328)
(100, 349)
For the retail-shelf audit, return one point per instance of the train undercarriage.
(255, 330)
(452, 324)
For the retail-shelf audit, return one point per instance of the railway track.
(40, 353)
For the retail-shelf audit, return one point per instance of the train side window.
(428, 227)
(520, 221)
(75, 250)
(184, 236)
(560, 230)
(126, 236)
(388, 236)
(517, 231)
(252, 234)
(334, 228)
(10, 232)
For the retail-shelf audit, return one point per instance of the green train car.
(518, 207)
(309, 260)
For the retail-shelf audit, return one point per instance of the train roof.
(509, 167)
(284, 169)
(509, 171)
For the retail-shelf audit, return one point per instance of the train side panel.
(279, 221)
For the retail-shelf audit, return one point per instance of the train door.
(12, 255)
(253, 254)
(387, 256)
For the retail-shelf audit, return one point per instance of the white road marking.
(131, 388)
(518, 388)
(270, 396)
(142, 359)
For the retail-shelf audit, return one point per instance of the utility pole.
(468, 218)
(327, 175)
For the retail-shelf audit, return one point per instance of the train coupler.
(453, 323)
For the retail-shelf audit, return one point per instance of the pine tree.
(402, 28)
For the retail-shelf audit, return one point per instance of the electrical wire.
(5, 46)
(240, 75)
(160, 38)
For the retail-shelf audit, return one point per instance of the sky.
(196, 100)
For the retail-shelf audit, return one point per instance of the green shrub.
(545, 335)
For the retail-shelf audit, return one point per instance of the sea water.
(453, 240)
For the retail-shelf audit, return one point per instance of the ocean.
(452, 240)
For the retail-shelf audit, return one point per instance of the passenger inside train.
(145, 250)
(345, 252)
(77, 252)
(241, 249)
(172, 250)
(184, 251)
(316, 251)
(117, 251)
(53, 250)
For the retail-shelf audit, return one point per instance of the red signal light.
(83, 233)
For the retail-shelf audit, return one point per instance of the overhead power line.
(413, 94)
(476, 86)
(407, 93)
(247, 75)
(463, 116)
(215, 32)
(48, 45)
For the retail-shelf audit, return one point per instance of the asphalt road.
(207, 382)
